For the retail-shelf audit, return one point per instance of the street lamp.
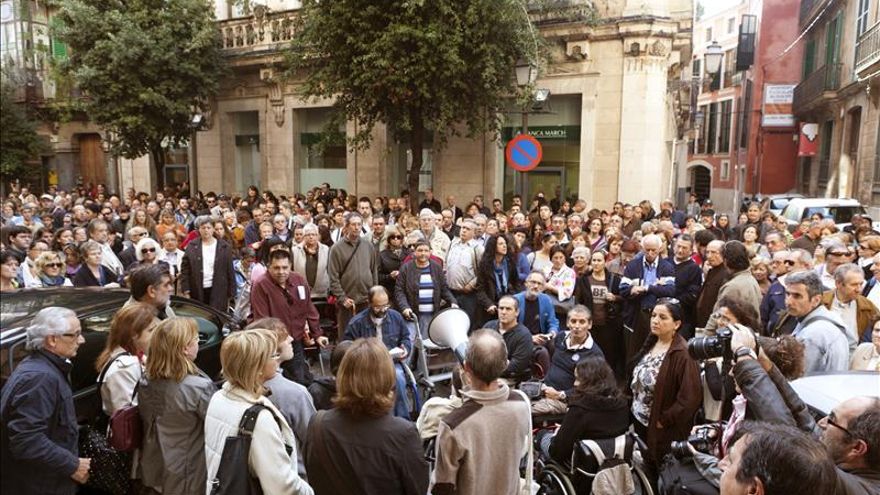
(713, 56)
(526, 73)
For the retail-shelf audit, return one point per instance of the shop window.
(322, 158)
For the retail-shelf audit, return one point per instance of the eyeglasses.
(789, 262)
(148, 250)
(72, 334)
(54, 265)
(829, 420)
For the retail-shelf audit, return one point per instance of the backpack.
(612, 474)
(234, 476)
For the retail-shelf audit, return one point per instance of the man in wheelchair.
(379, 320)
(569, 348)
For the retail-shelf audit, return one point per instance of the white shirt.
(209, 252)
(847, 313)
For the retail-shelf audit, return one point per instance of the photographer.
(763, 394)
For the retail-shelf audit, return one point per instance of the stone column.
(644, 156)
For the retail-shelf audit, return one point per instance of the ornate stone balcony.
(262, 34)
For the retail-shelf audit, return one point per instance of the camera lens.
(680, 449)
(701, 348)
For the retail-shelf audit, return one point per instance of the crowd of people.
(603, 307)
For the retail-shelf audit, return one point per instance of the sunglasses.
(830, 421)
(54, 265)
(837, 253)
(395, 236)
(148, 250)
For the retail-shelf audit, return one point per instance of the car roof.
(824, 391)
(824, 202)
(24, 304)
(782, 196)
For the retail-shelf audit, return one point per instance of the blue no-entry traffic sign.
(523, 153)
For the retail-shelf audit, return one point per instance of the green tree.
(19, 141)
(145, 66)
(416, 65)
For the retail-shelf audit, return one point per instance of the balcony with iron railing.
(818, 87)
(868, 52)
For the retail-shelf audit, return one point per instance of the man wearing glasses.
(851, 435)
(38, 428)
(284, 294)
(99, 231)
(379, 320)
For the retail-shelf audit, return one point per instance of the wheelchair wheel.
(642, 485)
(553, 480)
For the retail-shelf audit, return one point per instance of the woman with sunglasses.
(391, 258)
(147, 252)
(49, 271)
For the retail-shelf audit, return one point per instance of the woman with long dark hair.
(497, 274)
(599, 289)
(597, 409)
(665, 385)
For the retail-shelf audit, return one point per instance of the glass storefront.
(557, 126)
(319, 164)
(177, 164)
(248, 165)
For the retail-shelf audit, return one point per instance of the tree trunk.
(416, 145)
(158, 156)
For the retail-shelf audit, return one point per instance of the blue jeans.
(401, 404)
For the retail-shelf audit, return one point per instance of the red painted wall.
(772, 155)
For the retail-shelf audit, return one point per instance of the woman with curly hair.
(497, 273)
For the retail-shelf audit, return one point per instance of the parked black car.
(95, 308)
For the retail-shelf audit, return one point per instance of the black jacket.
(688, 282)
(85, 278)
(519, 351)
(770, 398)
(406, 291)
(486, 290)
(223, 285)
(583, 293)
(589, 417)
(322, 390)
(388, 262)
(38, 428)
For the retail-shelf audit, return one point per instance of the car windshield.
(840, 214)
(779, 203)
(27, 303)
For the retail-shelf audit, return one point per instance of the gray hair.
(804, 256)
(480, 216)
(202, 220)
(810, 279)
(845, 269)
(426, 213)
(145, 242)
(651, 238)
(49, 321)
(580, 309)
(581, 250)
(310, 228)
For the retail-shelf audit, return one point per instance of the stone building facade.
(607, 129)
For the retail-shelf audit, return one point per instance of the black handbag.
(110, 471)
(234, 475)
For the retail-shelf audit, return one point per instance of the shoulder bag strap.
(344, 268)
(249, 420)
(597, 451)
(107, 367)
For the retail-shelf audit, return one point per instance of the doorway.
(701, 181)
(543, 180)
(92, 164)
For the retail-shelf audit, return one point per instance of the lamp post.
(713, 56)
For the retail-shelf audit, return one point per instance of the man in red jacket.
(284, 294)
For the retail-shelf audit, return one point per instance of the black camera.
(702, 348)
(701, 440)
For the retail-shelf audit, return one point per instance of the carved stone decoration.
(278, 110)
(658, 49)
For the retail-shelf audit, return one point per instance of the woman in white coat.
(249, 358)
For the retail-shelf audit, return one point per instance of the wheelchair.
(429, 366)
(556, 479)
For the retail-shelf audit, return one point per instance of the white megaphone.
(449, 328)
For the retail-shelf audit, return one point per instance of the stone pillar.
(276, 147)
(644, 157)
(367, 169)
